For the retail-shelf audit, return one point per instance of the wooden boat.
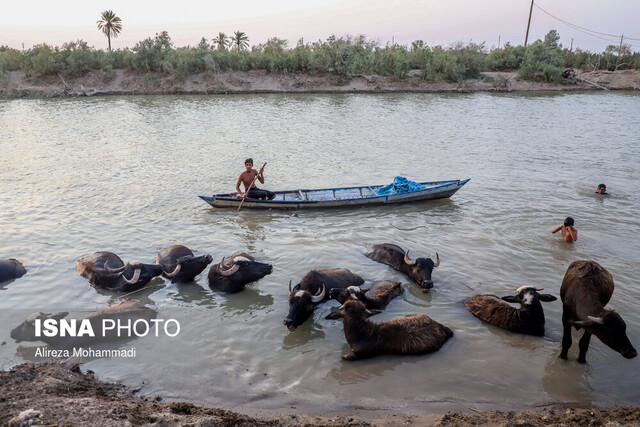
(338, 197)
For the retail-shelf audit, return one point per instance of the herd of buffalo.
(586, 289)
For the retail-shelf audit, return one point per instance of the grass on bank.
(543, 60)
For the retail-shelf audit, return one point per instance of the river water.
(123, 174)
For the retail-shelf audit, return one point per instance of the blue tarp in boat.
(399, 185)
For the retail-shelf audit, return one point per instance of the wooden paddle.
(252, 182)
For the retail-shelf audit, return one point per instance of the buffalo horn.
(437, 263)
(539, 289)
(174, 272)
(230, 271)
(113, 270)
(134, 279)
(319, 296)
(598, 320)
(408, 260)
(289, 291)
(226, 262)
(242, 254)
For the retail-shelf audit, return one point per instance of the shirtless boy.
(248, 178)
(569, 234)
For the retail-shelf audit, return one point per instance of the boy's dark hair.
(249, 160)
(568, 222)
(602, 186)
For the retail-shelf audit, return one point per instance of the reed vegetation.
(543, 60)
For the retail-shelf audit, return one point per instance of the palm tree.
(222, 41)
(240, 40)
(110, 24)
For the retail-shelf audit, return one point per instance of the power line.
(584, 30)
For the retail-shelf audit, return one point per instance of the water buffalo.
(419, 269)
(313, 289)
(122, 312)
(180, 265)
(106, 270)
(232, 274)
(413, 334)
(528, 319)
(377, 297)
(586, 289)
(11, 269)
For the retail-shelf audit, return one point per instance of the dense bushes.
(543, 60)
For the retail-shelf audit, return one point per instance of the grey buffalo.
(419, 269)
(128, 310)
(528, 319)
(313, 289)
(413, 334)
(106, 270)
(586, 288)
(377, 297)
(180, 264)
(232, 274)
(11, 269)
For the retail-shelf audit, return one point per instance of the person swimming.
(602, 189)
(569, 233)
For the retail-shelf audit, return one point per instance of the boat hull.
(338, 197)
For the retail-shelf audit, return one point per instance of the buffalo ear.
(510, 298)
(334, 315)
(60, 315)
(547, 297)
(373, 312)
(582, 323)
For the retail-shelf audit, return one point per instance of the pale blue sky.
(402, 21)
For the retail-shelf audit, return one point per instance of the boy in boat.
(602, 189)
(248, 179)
(569, 234)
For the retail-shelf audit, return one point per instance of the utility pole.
(498, 41)
(528, 24)
(571, 48)
(620, 48)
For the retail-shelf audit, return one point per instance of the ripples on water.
(122, 174)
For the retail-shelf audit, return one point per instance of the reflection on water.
(138, 193)
(247, 302)
(567, 382)
(304, 334)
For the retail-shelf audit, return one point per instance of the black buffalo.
(232, 274)
(528, 319)
(377, 297)
(314, 288)
(123, 312)
(106, 270)
(180, 265)
(11, 269)
(419, 269)
(413, 334)
(586, 288)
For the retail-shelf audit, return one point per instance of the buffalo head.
(233, 273)
(420, 269)
(301, 304)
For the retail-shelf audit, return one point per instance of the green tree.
(240, 40)
(551, 40)
(222, 41)
(110, 24)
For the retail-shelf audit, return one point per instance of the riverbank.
(61, 394)
(124, 82)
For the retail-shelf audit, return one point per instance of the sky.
(436, 22)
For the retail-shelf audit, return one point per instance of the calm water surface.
(123, 174)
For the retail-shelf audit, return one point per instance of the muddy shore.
(52, 393)
(124, 82)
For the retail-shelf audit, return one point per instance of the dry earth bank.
(124, 82)
(57, 394)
